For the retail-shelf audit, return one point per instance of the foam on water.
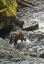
(12, 45)
(27, 40)
(19, 41)
(39, 17)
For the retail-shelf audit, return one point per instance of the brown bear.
(17, 35)
(19, 23)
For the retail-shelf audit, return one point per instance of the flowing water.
(35, 39)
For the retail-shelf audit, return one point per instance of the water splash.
(12, 45)
(28, 41)
(25, 44)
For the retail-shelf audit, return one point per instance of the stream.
(34, 39)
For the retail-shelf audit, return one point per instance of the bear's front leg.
(10, 42)
(15, 43)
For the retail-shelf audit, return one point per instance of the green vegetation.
(7, 10)
(8, 7)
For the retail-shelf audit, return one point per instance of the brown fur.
(17, 35)
(19, 23)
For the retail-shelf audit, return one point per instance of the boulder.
(4, 43)
(7, 12)
(30, 25)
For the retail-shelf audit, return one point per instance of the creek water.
(35, 39)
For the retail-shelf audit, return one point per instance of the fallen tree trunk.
(29, 3)
(25, 3)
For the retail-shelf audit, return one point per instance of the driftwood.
(25, 3)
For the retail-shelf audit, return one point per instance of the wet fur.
(15, 36)
(19, 23)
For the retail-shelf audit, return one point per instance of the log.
(29, 3)
(25, 3)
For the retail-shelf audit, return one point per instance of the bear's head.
(12, 39)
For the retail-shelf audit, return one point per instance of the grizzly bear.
(19, 23)
(15, 36)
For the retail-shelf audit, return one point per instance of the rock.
(15, 28)
(4, 43)
(30, 25)
(7, 12)
(10, 53)
(42, 55)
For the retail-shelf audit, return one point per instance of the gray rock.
(15, 28)
(4, 43)
(30, 25)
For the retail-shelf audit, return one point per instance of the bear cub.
(16, 36)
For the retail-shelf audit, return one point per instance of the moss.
(10, 7)
(7, 10)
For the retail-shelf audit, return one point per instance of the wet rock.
(9, 53)
(41, 55)
(7, 11)
(4, 43)
(15, 28)
(33, 54)
(6, 21)
(25, 62)
(30, 26)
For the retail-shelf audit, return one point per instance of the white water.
(27, 40)
(39, 17)
(12, 45)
